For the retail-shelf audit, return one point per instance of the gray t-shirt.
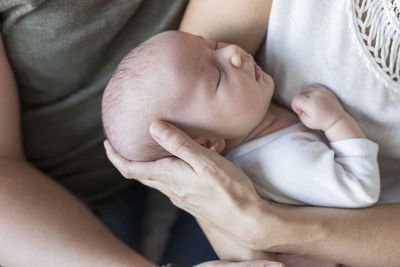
(63, 52)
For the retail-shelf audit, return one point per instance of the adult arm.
(239, 22)
(357, 237)
(41, 223)
(244, 23)
(197, 178)
(228, 249)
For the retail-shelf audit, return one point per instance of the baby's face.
(219, 87)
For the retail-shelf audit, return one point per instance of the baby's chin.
(269, 88)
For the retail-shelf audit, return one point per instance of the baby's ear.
(213, 143)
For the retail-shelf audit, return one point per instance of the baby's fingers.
(299, 104)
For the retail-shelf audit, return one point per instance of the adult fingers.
(130, 169)
(179, 144)
(258, 263)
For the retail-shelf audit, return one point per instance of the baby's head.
(214, 92)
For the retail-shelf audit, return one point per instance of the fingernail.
(274, 264)
(158, 128)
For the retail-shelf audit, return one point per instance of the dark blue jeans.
(187, 245)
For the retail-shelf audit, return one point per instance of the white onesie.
(353, 48)
(295, 166)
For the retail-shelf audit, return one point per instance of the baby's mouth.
(257, 71)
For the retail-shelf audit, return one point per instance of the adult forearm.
(227, 249)
(43, 225)
(360, 237)
(244, 23)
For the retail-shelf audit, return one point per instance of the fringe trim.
(377, 27)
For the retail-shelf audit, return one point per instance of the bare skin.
(238, 22)
(367, 237)
(197, 178)
(317, 108)
(35, 228)
(53, 234)
(362, 237)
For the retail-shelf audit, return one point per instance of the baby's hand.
(317, 107)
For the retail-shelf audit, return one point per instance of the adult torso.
(63, 53)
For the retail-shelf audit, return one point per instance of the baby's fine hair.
(126, 113)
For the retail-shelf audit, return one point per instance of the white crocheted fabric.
(377, 27)
(351, 47)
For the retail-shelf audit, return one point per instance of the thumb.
(178, 143)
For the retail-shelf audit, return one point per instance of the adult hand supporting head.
(200, 181)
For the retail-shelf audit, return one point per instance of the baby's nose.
(234, 55)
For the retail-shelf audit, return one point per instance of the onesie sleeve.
(307, 171)
(357, 166)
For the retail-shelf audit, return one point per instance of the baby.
(217, 94)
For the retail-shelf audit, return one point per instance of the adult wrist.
(264, 222)
(293, 228)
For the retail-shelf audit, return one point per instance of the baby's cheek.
(256, 112)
